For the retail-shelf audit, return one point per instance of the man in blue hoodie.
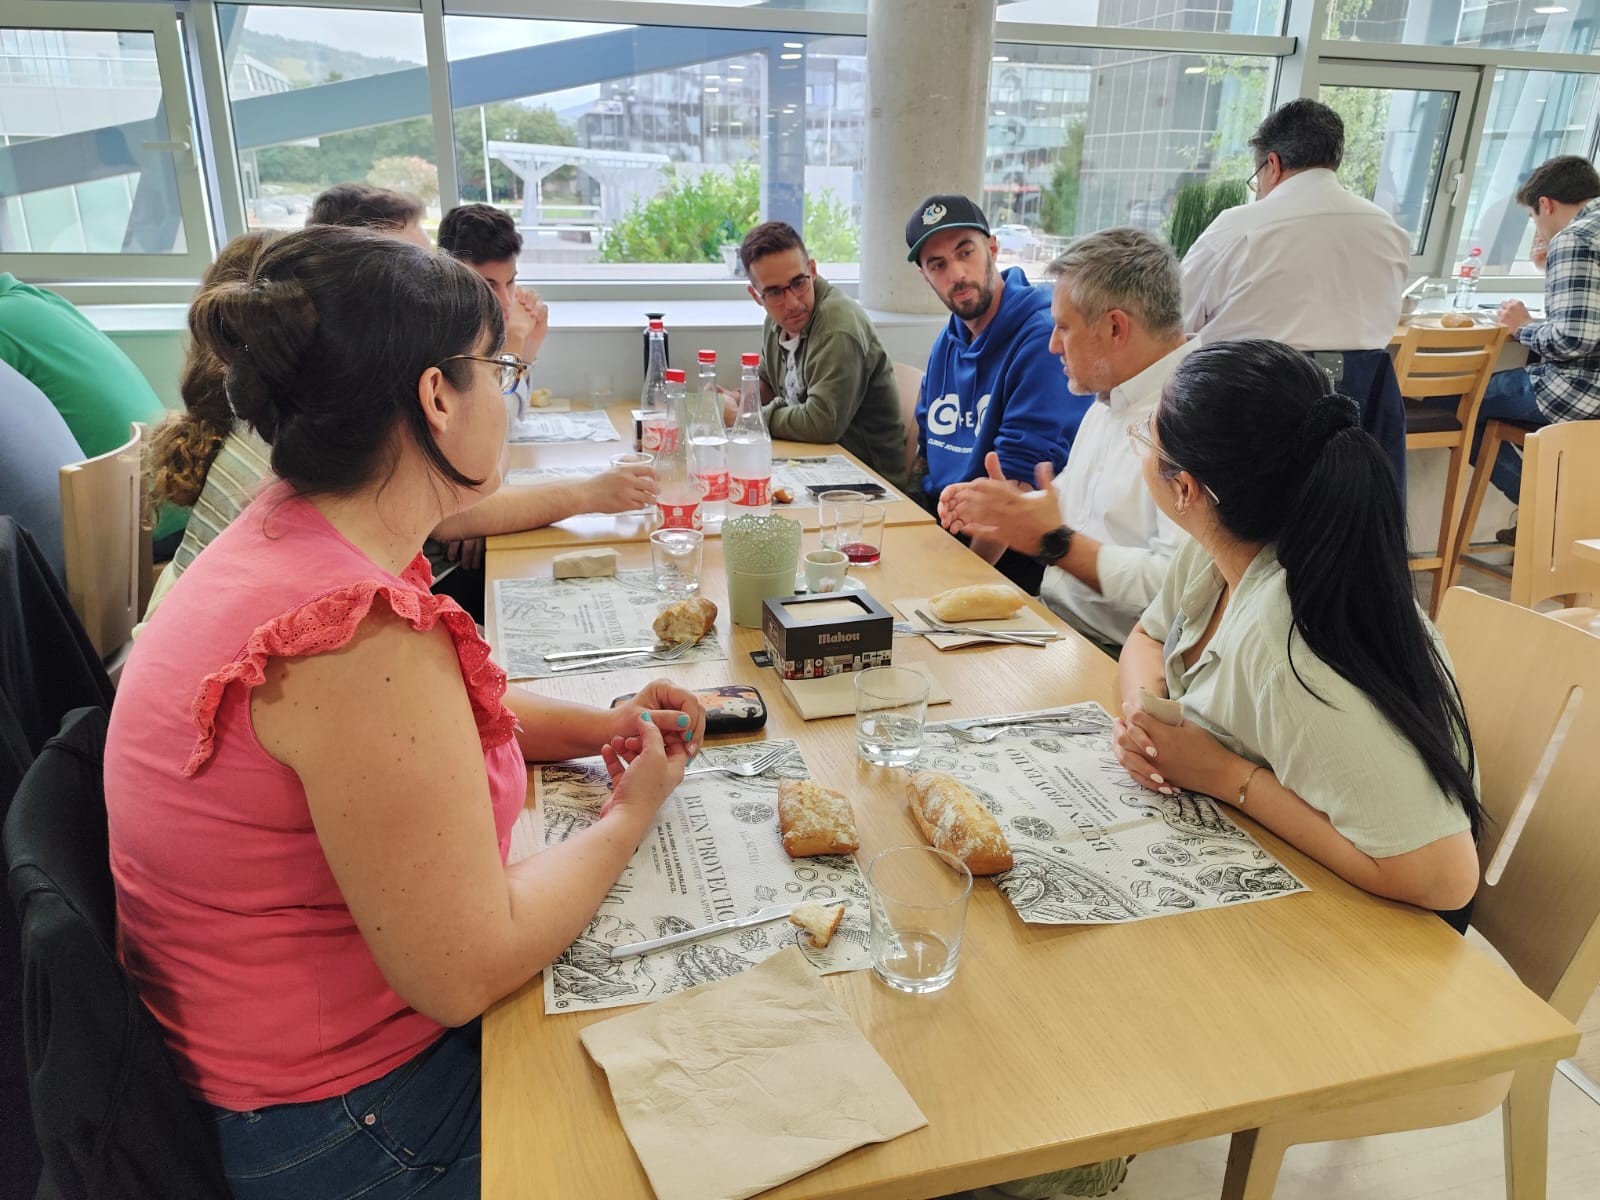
(991, 383)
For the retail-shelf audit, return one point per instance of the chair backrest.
(908, 380)
(1531, 686)
(101, 506)
(1560, 503)
(110, 1114)
(1448, 362)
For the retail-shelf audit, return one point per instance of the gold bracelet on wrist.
(1245, 786)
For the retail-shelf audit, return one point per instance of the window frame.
(161, 21)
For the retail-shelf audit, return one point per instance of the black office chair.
(111, 1117)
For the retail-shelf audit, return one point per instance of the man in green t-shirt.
(825, 376)
(93, 385)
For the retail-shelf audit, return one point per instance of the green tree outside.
(690, 219)
(1058, 207)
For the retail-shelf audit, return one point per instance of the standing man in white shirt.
(1308, 264)
(1105, 546)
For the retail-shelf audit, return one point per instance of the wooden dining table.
(596, 529)
(1054, 1045)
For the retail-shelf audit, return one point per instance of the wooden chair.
(1495, 434)
(107, 548)
(1445, 362)
(1531, 686)
(1560, 504)
(908, 380)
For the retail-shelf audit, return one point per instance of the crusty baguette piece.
(686, 620)
(976, 602)
(815, 819)
(818, 921)
(954, 820)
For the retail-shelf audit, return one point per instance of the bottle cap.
(674, 375)
(657, 327)
(749, 360)
(1477, 249)
(708, 356)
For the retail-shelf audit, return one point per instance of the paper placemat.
(714, 852)
(1091, 845)
(1026, 620)
(540, 425)
(541, 616)
(740, 1085)
(797, 472)
(835, 695)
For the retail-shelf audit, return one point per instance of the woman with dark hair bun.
(1316, 696)
(313, 767)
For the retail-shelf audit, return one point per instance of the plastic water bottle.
(658, 423)
(708, 439)
(750, 446)
(1467, 278)
(677, 483)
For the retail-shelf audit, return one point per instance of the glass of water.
(918, 902)
(675, 556)
(832, 507)
(891, 704)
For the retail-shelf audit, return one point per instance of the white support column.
(927, 116)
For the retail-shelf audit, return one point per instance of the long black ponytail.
(1290, 465)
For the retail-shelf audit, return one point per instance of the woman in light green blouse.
(1315, 694)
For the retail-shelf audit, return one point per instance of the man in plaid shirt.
(1564, 385)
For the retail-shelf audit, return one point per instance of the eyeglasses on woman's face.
(799, 285)
(511, 368)
(1140, 439)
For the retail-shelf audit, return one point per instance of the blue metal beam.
(505, 75)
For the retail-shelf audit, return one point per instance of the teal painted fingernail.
(683, 720)
(644, 716)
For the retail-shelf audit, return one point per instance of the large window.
(1551, 26)
(97, 169)
(315, 95)
(1533, 116)
(655, 144)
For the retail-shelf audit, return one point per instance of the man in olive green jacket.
(825, 377)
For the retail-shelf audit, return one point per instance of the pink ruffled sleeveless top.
(229, 918)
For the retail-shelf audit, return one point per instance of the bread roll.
(539, 398)
(815, 820)
(954, 820)
(1456, 321)
(818, 921)
(686, 620)
(978, 602)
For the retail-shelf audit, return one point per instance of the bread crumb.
(818, 921)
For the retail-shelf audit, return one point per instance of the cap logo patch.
(933, 214)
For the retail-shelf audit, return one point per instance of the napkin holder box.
(841, 632)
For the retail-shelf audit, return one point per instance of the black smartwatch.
(1053, 546)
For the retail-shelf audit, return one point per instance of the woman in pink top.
(313, 766)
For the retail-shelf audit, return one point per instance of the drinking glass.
(601, 394)
(1433, 298)
(891, 704)
(675, 555)
(829, 507)
(859, 533)
(917, 898)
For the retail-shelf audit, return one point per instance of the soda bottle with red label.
(678, 487)
(750, 446)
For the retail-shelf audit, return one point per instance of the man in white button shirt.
(1308, 264)
(1105, 546)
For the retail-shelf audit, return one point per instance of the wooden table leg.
(1526, 1121)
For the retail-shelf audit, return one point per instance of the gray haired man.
(1118, 314)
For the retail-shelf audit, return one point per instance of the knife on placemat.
(776, 912)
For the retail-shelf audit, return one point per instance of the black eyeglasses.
(797, 285)
(512, 368)
(1251, 182)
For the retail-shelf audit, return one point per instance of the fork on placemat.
(759, 765)
(986, 729)
(1021, 637)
